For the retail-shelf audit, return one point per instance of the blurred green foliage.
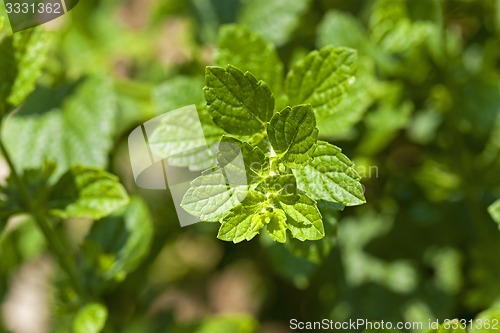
(421, 122)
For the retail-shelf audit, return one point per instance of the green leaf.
(255, 163)
(8, 68)
(282, 186)
(352, 108)
(342, 29)
(178, 92)
(487, 321)
(241, 224)
(494, 210)
(304, 219)
(293, 133)
(238, 103)
(245, 221)
(210, 197)
(22, 57)
(322, 79)
(200, 159)
(70, 125)
(117, 244)
(330, 176)
(276, 228)
(393, 31)
(248, 51)
(87, 192)
(274, 19)
(90, 319)
(186, 140)
(31, 51)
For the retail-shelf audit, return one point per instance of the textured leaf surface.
(274, 19)
(317, 251)
(245, 221)
(282, 186)
(293, 133)
(330, 176)
(90, 319)
(248, 51)
(241, 224)
(238, 103)
(276, 228)
(322, 79)
(210, 197)
(21, 59)
(186, 139)
(304, 219)
(31, 50)
(76, 131)
(87, 192)
(255, 163)
(391, 28)
(200, 158)
(352, 108)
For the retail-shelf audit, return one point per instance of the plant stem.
(53, 242)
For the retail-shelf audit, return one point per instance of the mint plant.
(421, 120)
(287, 168)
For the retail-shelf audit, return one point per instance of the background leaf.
(22, 57)
(87, 192)
(178, 92)
(248, 51)
(72, 131)
(90, 319)
(322, 79)
(274, 19)
(342, 29)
